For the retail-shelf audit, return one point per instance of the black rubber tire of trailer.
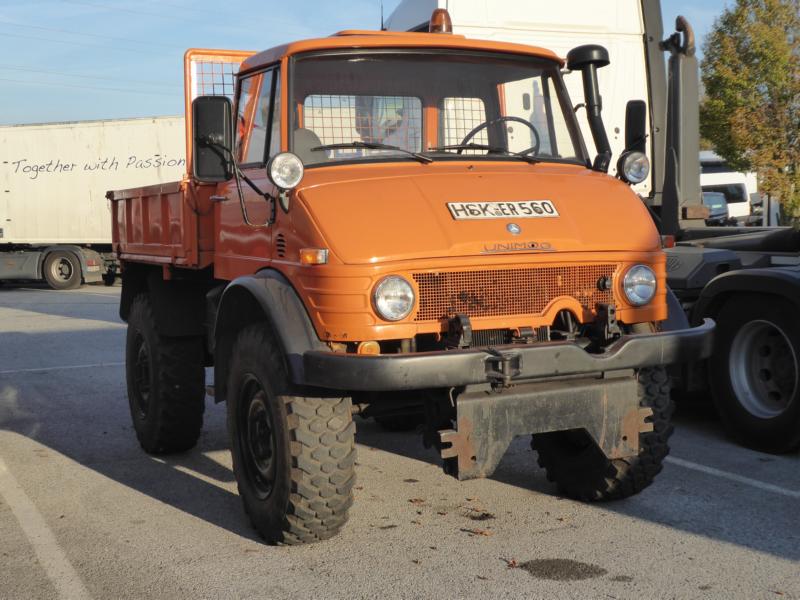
(754, 372)
(62, 270)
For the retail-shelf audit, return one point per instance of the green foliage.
(751, 113)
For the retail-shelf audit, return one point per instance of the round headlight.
(633, 167)
(393, 298)
(639, 285)
(285, 170)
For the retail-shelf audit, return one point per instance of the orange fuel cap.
(440, 22)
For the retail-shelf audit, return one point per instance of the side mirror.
(212, 139)
(588, 59)
(636, 126)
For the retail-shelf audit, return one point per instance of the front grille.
(501, 292)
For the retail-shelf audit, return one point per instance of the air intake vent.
(280, 245)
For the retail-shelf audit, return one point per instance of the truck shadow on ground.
(83, 415)
(85, 303)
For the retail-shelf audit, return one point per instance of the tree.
(751, 113)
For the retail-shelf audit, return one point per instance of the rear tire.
(754, 372)
(166, 383)
(580, 469)
(62, 270)
(293, 456)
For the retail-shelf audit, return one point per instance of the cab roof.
(353, 39)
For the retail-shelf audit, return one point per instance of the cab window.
(257, 119)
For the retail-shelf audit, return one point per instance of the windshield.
(496, 106)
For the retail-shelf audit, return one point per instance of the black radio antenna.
(383, 27)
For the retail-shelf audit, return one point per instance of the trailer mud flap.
(487, 421)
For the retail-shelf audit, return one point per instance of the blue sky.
(65, 60)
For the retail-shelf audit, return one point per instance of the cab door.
(245, 234)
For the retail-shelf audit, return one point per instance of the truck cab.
(405, 226)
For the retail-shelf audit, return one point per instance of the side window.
(244, 115)
(254, 118)
(275, 135)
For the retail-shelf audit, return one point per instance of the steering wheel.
(532, 150)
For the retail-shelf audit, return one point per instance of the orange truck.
(405, 227)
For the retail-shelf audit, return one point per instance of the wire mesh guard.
(502, 292)
(459, 116)
(212, 77)
(337, 119)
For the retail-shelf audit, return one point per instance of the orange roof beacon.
(405, 226)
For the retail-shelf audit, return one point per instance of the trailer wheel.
(755, 372)
(62, 270)
(580, 469)
(293, 456)
(166, 383)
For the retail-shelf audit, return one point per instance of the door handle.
(218, 198)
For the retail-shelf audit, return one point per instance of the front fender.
(266, 296)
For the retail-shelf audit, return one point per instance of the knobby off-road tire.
(293, 456)
(166, 383)
(62, 270)
(754, 372)
(580, 469)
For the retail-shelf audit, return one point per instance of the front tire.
(580, 469)
(166, 383)
(293, 456)
(755, 372)
(62, 270)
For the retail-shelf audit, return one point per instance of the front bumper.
(502, 364)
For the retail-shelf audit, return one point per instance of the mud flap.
(487, 421)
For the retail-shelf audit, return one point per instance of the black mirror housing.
(212, 139)
(636, 126)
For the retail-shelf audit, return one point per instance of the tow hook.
(502, 367)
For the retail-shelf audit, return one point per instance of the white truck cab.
(559, 26)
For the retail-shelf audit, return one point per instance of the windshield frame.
(561, 94)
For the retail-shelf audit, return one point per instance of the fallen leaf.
(410, 480)
(417, 501)
(511, 563)
(482, 578)
(478, 532)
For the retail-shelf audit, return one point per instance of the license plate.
(524, 209)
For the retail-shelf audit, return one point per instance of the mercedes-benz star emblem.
(514, 229)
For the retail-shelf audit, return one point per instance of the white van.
(739, 188)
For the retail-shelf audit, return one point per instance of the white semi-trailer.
(55, 222)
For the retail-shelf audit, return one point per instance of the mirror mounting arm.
(239, 176)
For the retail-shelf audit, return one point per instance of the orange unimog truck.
(406, 227)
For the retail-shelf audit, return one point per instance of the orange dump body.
(392, 218)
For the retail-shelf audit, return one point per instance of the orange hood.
(378, 213)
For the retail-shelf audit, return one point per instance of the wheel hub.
(62, 269)
(764, 369)
(142, 375)
(259, 444)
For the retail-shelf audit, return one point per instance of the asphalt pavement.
(84, 513)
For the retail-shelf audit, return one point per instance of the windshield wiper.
(487, 148)
(374, 146)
